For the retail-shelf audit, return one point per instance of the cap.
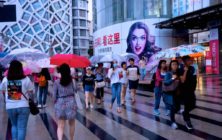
(88, 68)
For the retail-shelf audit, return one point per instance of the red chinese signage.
(110, 39)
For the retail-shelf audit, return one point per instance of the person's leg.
(36, 92)
(71, 129)
(98, 95)
(157, 93)
(102, 93)
(12, 114)
(118, 92)
(87, 99)
(113, 94)
(123, 94)
(91, 99)
(44, 95)
(60, 129)
(41, 90)
(23, 116)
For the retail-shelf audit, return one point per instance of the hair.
(131, 59)
(160, 63)
(138, 25)
(45, 72)
(123, 63)
(65, 72)
(15, 71)
(171, 62)
(185, 58)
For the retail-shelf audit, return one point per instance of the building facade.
(41, 24)
(80, 27)
(116, 20)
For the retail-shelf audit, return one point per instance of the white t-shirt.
(114, 77)
(124, 79)
(13, 89)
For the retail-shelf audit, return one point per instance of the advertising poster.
(139, 37)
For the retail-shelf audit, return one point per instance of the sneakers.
(156, 112)
(174, 125)
(44, 105)
(39, 106)
(91, 106)
(189, 125)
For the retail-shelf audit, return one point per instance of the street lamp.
(2, 3)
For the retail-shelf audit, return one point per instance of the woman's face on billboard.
(139, 39)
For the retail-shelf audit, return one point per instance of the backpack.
(42, 81)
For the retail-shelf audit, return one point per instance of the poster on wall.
(138, 37)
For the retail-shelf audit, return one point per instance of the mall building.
(163, 24)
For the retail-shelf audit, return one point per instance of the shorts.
(133, 84)
(89, 89)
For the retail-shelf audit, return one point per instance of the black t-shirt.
(89, 80)
(190, 83)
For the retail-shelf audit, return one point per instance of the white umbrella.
(112, 57)
(127, 56)
(95, 59)
(179, 51)
(23, 54)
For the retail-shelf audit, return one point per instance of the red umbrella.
(72, 60)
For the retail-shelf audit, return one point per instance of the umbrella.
(44, 63)
(23, 54)
(179, 51)
(26, 71)
(127, 56)
(95, 59)
(72, 60)
(112, 57)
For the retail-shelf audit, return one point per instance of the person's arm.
(4, 85)
(138, 71)
(168, 79)
(110, 73)
(158, 76)
(183, 77)
(55, 91)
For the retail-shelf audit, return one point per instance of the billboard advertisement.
(139, 37)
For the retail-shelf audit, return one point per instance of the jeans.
(19, 119)
(43, 91)
(158, 94)
(172, 102)
(116, 91)
(143, 73)
(99, 93)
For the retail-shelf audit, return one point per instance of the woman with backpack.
(44, 76)
(65, 103)
(16, 86)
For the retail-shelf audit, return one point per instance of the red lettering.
(110, 39)
(116, 38)
(105, 40)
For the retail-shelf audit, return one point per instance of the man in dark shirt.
(133, 74)
(187, 89)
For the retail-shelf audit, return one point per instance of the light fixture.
(2, 3)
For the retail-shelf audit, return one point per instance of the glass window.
(82, 13)
(82, 32)
(83, 23)
(75, 3)
(75, 32)
(75, 22)
(83, 4)
(129, 8)
(75, 42)
(75, 13)
(84, 42)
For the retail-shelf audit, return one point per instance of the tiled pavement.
(136, 122)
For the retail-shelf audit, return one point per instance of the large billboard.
(139, 37)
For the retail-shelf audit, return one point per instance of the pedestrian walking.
(160, 74)
(89, 86)
(187, 90)
(133, 76)
(115, 74)
(142, 66)
(15, 86)
(44, 77)
(100, 83)
(124, 81)
(171, 95)
(65, 103)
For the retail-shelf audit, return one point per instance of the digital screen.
(8, 13)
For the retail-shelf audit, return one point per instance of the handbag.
(170, 88)
(32, 106)
(77, 97)
(100, 84)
